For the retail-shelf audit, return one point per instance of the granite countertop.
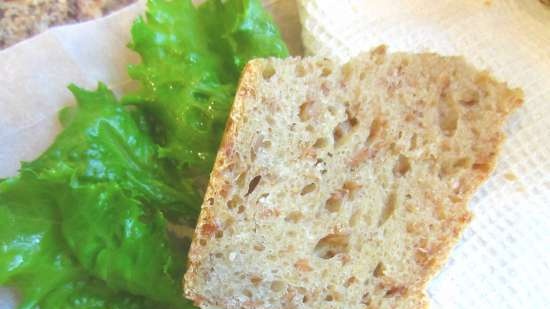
(21, 19)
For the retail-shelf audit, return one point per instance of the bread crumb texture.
(344, 187)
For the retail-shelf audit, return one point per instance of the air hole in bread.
(331, 110)
(262, 199)
(270, 120)
(306, 111)
(309, 188)
(247, 293)
(253, 184)
(241, 179)
(351, 188)
(241, 209)
(277, 286)
(292, 127)
(321, 166)
(219, 234)
(266, 144)
(310, 128)
(389, 208)
(259, 247)
(379, 270)
(366, 299)
(378, 55)
(234, 202)
(218, 255)
(334, 202)
(353, 122)
(469, 98)
(347, 72)
(350, 281)
(376, 127)
(258, 143)
(294, 217)
(449, 168)
(268, 71)
(413, 228)
(395, 291)
(332, 245)
(202, 242)
(394, 149)
(329, 298)
(320, 143)
(343, 129)
(256, 280)
(326, 71)
(402, 166)
(463, 163)
(448, 116)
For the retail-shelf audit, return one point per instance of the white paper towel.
(503, 260)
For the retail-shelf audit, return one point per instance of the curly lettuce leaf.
(240, 31)
(110, 214)
(88, 293)
(191, 61)
(92, 204)
(35, 259)
(103, 142)
(32, 254)
(134, 253)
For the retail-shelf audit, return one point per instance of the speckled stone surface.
(21, 19)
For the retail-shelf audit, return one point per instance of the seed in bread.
(344, 187)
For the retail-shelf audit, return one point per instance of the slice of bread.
(344, 187)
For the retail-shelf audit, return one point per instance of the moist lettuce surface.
(84, 225)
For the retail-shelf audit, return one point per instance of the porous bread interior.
(344, 187)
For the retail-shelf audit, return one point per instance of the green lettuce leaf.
(88, 293)
(240, 31)
(31, 248)
(189, 72)
(91, 204)
(35, 259)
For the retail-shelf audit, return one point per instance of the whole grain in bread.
(344, 187)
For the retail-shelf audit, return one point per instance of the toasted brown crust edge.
(246, 87)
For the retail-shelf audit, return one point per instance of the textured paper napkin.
(34, 75)
(503, 260)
